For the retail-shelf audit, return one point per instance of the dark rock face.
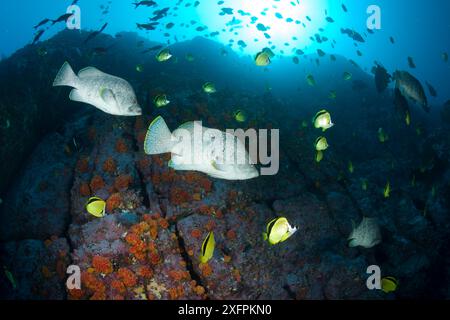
(38, 269)
(38, 203)
(148, 244)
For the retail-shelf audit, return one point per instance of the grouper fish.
(197, 148)
(108, 93)
(411, 88)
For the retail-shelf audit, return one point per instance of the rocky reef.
(57, 154)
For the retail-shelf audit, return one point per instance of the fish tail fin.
(158, 138)
(66, 76)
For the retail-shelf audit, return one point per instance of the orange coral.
(85, 190)
(158, 161)
(122, 182)
(118, 286)
(163, 223)
(127, 276)
(92, 282)
(206, 269)
(196, 233)
(210, 225)
(144, 163)
(140, 228)
(199, 290)
(83, 165)
(178, 275)
(197, 197)
(132, 239)
(145, 272)
(179, 196)
(231, 234)
(98, 295)
(204, 209)
(175, 293)
(121, 146)
(102, 265)
(113, 202)
(97, 183)
(109, 165)
(75, 294)
(154, 258)
(237, 275)
(206, 184)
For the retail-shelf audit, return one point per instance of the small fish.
(161, 101)
(322, 120)
(332, 94)
(353, 35)
(278, 230)
(189, 57)
(10, 277)
(407, 118)
(364, 184)
(207, 250)
(96, 206)
(94, 34)
(144, 3)
(240, 116)
(319, 156)
(321, 144)
(139, 68)
(38, 36)
(147, 26)
(387, 190)
(445, 57)
(382, 77)
(382, 135)
(347, 76)
(411, 88)
(389, 284)
(413, 181)
(62, 18)
(350, 167)
(262, 59)
(163, 55)
(209, 87)
(310, 80)
(411, 63)
(431, 89)
(108, 93)
(43, 22)
(304, 124)
(366, 235)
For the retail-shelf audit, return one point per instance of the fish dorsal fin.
(187, 126)
(90, 72)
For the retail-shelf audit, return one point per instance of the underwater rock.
(37, 268)
(37, 203)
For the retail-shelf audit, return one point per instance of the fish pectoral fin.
(108, 97)
(76, 96)
(216, 166)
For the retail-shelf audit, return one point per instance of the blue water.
(420, 28)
